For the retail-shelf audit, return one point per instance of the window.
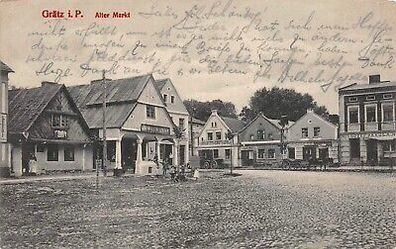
(353, 113)
(172, 99)
(150, 111)
(387, 96)
(371, 113)
(227, 153)
(214, 124)
(270, 136)
(59, 120)
(304, 132)
(316, 131)
(353, 99)
(52, 153)
(40, 148)
(68, 154)
(218, 135)
(165, 98)
(261, 153)
(389, 146)
(181, 123)
(260, 135)
(387, 112)
(215, 153)
(210, 136)
(251, 137)
(271, 153)
(370, 97)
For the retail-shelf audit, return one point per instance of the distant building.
(140, 130)
(260, 141)
(312, 137)
(367, 122)
(215, 139)
(4, 147)
(46, 127)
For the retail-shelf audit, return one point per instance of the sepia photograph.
(198, 124)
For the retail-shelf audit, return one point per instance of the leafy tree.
(276, 102)
(202, 110)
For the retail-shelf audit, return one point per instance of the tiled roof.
(234, 124)
(4, 67)
(121, 100)
(160, 83)
(25, 105)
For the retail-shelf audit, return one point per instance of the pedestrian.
(196, 174)
(172, 173)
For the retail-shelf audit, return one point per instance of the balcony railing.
(372, 126)
(215, 142)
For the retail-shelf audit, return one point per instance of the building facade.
(47, 132)
(312, 137)
(4, 146)
(260, 142)
(196, 127)
(367, 123)
(179, 115)
(218, 140)
(140, 132)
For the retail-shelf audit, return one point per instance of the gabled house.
(46, 126)
(4, 146)
(179, 115)
(196, 127)
(218, 140)
(140, 131)
(260, 141)
(312, 137)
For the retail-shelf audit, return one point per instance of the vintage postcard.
(197, 124)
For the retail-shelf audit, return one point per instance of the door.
(128, 153)
(292, 152)
(309, 152)
(354, 144)
(28, 152)
(323, 153)
(247, 157)
(372, 153)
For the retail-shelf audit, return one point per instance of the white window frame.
(317, 135)
(352, 99)
(302, 129)
(382, 111)
(370, 97)
(365, 112)
(358, 110)
(258, 154)
(387, 96)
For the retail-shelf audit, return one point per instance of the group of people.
(179, 174)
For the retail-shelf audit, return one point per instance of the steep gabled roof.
(5, 68)
(316, 115)
(26, 105)
(122, 95)
(160, 83)
(233, 124)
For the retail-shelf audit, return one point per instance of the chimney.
(214, 111)
(375, 78)
(309, 110)
(46, 83)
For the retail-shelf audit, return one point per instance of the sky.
(365, 33)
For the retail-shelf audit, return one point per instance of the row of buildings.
(364, 135)
(61, 128)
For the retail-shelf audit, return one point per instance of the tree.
(278, 101)
(202, 110)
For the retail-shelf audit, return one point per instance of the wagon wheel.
(206, 165)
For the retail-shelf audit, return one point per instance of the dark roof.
(4, 67)
(234, 124)
(121, 100)
(197, 121)
(25, 105)
(160, 83)
(368, 86)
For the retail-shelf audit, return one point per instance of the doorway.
(372, 152)
(309, 152)
(354, 144)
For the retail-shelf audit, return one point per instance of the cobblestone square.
(260, 209)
